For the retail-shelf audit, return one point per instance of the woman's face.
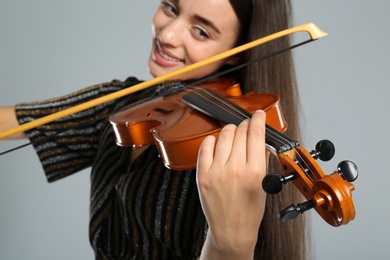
(188, 31)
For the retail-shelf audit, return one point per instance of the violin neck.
(213, 104)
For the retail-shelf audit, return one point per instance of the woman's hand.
(229, 175)
(8, 120)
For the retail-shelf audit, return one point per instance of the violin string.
(236, 111)
(272, 133)
(225, 104)
(298, 159)
(214, 100)
(193, 83)
(229, 108)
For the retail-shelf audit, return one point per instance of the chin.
(157, 71)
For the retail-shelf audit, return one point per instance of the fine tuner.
(325, 150)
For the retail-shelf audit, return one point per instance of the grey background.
(49, 48)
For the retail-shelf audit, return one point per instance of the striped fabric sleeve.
(68, 145)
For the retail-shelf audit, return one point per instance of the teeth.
(165, 56)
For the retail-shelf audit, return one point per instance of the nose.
(172, 33)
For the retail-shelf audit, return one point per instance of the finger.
(223, 145)
(239, 150)
(256, 137)
(206, 154)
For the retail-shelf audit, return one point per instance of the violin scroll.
(330, 195)
(273, 183)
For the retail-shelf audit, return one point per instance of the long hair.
(258, 18)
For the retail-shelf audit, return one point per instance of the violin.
(178, 123)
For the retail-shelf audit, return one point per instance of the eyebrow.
(202, 19)
(207, 23)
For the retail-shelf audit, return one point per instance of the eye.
(200, 33)
(169, 9)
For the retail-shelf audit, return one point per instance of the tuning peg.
(324, 150)
(273, 184)
(293, 211)
(348, 170)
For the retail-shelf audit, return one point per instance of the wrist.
(228, 248)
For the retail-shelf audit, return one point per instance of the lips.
(165, 58)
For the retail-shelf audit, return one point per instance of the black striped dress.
(140, 210)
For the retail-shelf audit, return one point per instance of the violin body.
(178, 130)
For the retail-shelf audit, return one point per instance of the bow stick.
(310, 28)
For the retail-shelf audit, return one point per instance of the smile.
(164, 55)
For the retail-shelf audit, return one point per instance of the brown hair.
(258, 18)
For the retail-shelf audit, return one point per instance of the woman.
(140, 209)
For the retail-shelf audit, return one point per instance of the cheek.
(198, 52)
(157, 23)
